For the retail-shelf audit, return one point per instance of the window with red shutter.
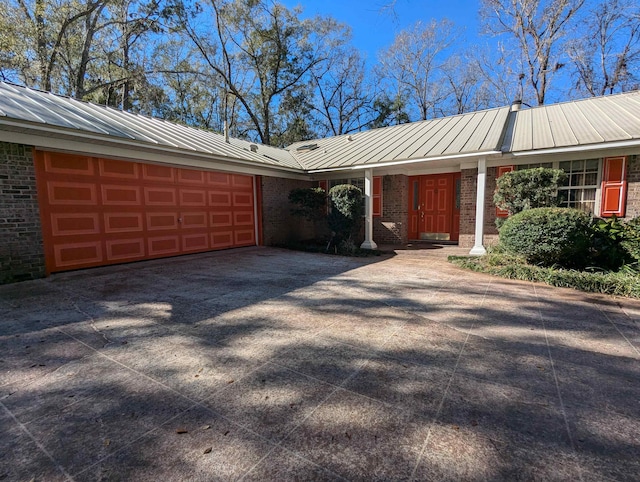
(614, 187)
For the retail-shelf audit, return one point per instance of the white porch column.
(478, 248)
(368, 243)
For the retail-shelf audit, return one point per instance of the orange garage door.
(99, 211)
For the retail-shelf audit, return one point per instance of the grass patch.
(625, 282)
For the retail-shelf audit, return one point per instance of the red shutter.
(501, 213)
(323, 185)
(377, 196)
(614, 187)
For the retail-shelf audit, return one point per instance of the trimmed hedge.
(517, 191)
(549, 236)
(347, 208)
(618, 284)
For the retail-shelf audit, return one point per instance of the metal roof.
(476, 132)
(37, 107)
(591, 122)
(597, 120)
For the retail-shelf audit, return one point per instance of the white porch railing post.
(478, 247)
(368, 243)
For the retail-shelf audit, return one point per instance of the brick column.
(21, 248)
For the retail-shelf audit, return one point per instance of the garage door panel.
(119, 169)
(123, 222)
(219, 179)
(74, 224)
(221, 219)
(78, 254)
(222, 240)
(242, 199)
(102, 211)
(242, 181)
(189, 176)
(119, 195)
(160, 196)
(244, 238)
(155, 174)
(125, 249)
(194, 220)
(243, 219)
(58, 163)
(72, 193)
(219, 199)
(193, 197)
(195, 242)
(162, 221)
(164, 245)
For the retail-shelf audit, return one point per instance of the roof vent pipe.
(226, 131)
(516, 105)
(253, 147)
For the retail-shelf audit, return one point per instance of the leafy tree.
(518, 191)
(260, 51)
(389, 111)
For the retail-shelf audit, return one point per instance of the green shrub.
(619, 284)
(631, 238)
(309, 203)
(517, 191)
(347, 208)
(607, 251)
(549, 236)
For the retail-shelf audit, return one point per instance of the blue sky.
(375, 27)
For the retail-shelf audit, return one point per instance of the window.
(579, 190)
(581, 187)
(358, 182)
(534, 165)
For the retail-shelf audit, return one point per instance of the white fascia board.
(453, 157)
(121, 149)
(582, 148)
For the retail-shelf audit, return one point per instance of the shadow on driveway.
(268, 364)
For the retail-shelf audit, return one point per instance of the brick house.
(83, 185)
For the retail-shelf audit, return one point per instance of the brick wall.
(21, 249)
(633, 187)
(278, 225)
(469, 179)
(391, 227)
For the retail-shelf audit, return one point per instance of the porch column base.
(478, 251)
(369, 245)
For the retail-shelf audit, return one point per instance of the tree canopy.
(270, 74)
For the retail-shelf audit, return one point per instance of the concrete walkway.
(266, 364)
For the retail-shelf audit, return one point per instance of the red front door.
(434, 207)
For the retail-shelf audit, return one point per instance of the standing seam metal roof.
(578, 123)
(596, 120)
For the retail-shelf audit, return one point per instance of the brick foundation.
(279, 226)
(391, 227)
(21, 248)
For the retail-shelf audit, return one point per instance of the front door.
(434, 207)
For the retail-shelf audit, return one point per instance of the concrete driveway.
(265, 364)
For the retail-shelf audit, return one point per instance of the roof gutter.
(47, 133)
(582, 148)
(407, 161)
